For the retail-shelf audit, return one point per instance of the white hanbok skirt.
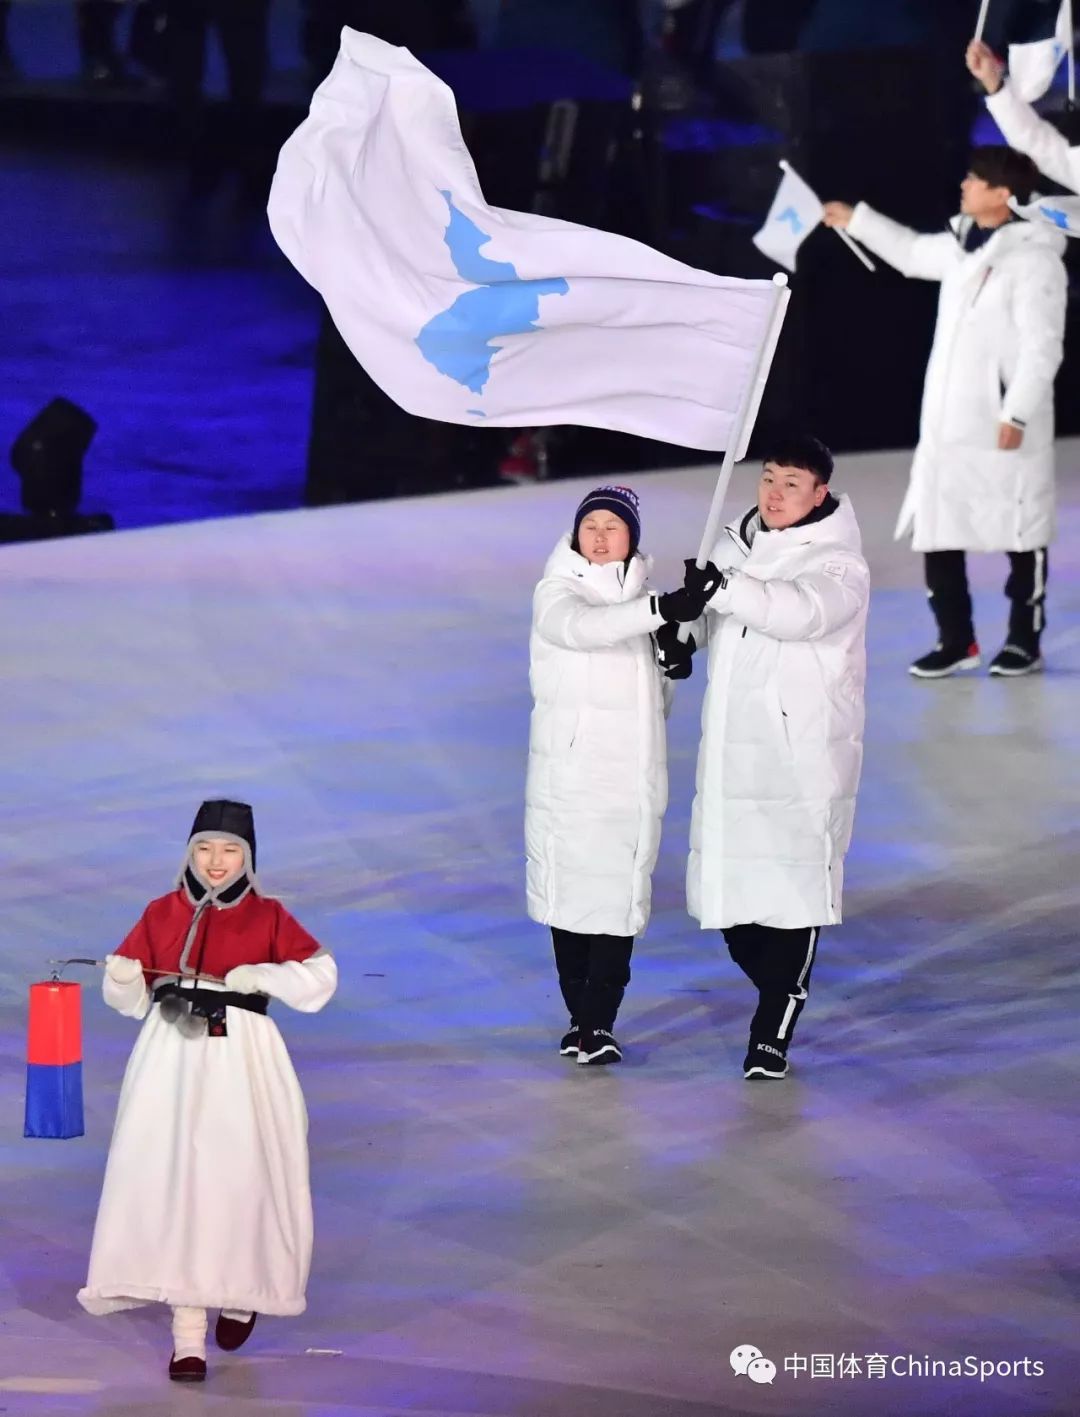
(206, 1200)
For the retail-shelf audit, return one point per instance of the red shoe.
(232, 1334)
(187, 1370)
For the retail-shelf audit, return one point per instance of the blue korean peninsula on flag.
(463, 312)
(459, 342)
(1062, 212)
(795, 212)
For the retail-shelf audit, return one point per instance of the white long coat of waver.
(997, 347)
(597, 781)
(782, 726)
(1024, 130)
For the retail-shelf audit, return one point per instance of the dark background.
(124, 143)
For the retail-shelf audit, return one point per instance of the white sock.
(240, 1315)
(189, 1332)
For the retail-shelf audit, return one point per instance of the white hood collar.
(610, 581)
(840, 529)
(1014, 234)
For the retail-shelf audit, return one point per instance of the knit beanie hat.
(623, 501)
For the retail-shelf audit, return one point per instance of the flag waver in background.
(54, 1097)
(469, 313)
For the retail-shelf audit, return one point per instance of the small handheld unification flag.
(54, 1097)
(472, 314)
(1040, 35)
(795, 212)
(1061, 212)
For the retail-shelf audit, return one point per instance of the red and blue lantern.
(54, 1095)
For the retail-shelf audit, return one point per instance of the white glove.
(122, 970)
(245, 979)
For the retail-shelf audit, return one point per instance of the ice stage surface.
(497, 1230)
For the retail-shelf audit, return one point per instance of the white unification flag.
(795, 211)
(1062, 212)
(471, 314)
(1043, 40)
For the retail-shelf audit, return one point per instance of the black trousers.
(594, 971)
(778, 963)
(950, 598)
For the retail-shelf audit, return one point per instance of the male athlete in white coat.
(1021, 126)
(983, 474)
(781, 744)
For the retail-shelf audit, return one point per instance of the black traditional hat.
(218, 818)
(221, 817)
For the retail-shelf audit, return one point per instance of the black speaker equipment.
(48, 457)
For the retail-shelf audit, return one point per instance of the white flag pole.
(980, 23)
(855, 248)
(1070, 58)
(743, 425)
(748, 416)
(745, 418)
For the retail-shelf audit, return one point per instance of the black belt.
(208, 1001)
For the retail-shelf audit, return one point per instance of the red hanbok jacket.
(253, 931)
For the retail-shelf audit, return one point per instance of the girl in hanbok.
(206, 1202)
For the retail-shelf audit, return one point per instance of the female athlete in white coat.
(983, 474)
(781, 743)
(597, 779)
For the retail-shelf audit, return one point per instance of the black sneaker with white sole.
(942, 662)
(764, 1062)
(598, 1045)
(1012, 661)
(568, 1048)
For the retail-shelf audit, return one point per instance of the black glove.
(706, 580)
(681, 606)
(674, 655)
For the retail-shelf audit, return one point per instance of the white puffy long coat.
(782, 726)
(207, 1198)
(1025, 131)
(597, 781)
(997, 347)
